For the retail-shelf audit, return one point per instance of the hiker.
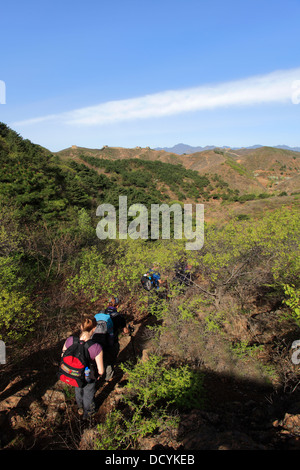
(118, 319)
(151, 279)
(119, 323)
(113, 303)
(104, 335)
(84, 389)
(155, 276)
(183, 273)
(104, 331)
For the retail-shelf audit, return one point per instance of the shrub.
(152, 382)
(151, 390)
(17, 315)
(293, 301)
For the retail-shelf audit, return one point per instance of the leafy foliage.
(153, 382)
(51, 260)
(293, 301)
(151, 390)
(231, 250)
(182, 183)
(17, 315)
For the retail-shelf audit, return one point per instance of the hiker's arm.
(67, 344)
(63, 349)
(100, 364)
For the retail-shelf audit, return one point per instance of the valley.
(208, 365)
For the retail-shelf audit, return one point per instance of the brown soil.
(37, 413)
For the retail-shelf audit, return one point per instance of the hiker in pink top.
(85, 395)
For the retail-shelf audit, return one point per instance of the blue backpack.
(104, 332)
(150, 280)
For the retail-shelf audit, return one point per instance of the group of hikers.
(152, 279)
(92, 356)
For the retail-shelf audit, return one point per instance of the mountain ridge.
(181, 148)
(262, 169)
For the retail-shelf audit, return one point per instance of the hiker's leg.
(79, 397)
(109, 371)
(88, 398)
(108, 359)
(116, 351)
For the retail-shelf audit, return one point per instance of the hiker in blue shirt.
(104, 332)
(104, 335)
(155, 276)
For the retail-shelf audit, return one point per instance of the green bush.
(152, 382)
(17, 316)
(151, 389)
(292, 301)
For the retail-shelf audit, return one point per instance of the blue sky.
(151, 72)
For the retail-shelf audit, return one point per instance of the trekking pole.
(131, 330)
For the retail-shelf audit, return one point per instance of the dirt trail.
(37, 412)
(32, 400)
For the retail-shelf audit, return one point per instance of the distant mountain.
(286, 147)
(181, 149)
(257, 169)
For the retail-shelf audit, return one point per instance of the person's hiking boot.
(89, 416)
(109, 374)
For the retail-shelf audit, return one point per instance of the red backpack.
(74, 361)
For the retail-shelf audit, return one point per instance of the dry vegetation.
(209, 364)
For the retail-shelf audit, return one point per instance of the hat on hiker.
(114, 300)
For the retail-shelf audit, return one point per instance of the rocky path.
(37, 412)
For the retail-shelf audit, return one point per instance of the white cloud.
(276, 87)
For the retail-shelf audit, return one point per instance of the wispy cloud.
(275, 87)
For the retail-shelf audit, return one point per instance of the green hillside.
(41, 185)
(262, 170)
(207, 363)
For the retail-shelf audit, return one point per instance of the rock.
(291, 423)
(36, 409)
(16, 420)
(88, 439)
(52, 414)
(145, 355)
(10, 403)
(55, 399)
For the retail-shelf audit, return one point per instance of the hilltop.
(42, 185)
(260, 170)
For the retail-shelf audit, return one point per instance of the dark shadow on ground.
(36, 373)
(238, 413)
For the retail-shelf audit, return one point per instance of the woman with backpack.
(89, 354)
